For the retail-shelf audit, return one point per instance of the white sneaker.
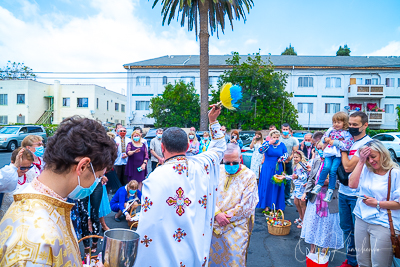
(316, 189)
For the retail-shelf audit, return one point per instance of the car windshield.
(9, 130)
(398, 136)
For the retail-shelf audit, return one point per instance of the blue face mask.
(321, 153)
(277, 141)
(159, 136)
(39, 151)
(81, 192)
(232, 169)
(205, 138)
(132, 192)
(285, 133)
(136, 139)
(307, 143)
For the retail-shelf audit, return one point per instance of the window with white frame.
(390, 82)
(389, 108)
(142, 105)
(368, 82)
(116, 106)
(333, 82)
(332, 107)
(358, 80)
(66, 101)
(20, 98)
(305, 107)
(143, 81)
(398, 82)
(213, 80)
(3, 99)
(20, 119)
(373, 81)
(306, 82)
(82, 102)
(3, 119)
(188, 79)
(164, 80)
(122, 108)
(122, 122)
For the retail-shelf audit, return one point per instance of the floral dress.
(256, 160)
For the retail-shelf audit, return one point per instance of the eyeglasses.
(25, 168)
(122, 131)
(231, 163)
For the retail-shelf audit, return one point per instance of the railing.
(366, 91)
(376, 117)
(46, 116)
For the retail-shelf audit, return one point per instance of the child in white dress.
(299, 178)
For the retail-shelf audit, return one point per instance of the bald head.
(232, 153)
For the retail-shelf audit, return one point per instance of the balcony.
(376, 117)
(366, 91)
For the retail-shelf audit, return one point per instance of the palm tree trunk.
(204, 62)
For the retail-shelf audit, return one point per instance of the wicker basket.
(132, 224)
(280, 229)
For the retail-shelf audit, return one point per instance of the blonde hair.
(195, 137)
(133, 184)
(319, 143)
(30, 139)
(274, 132)
(385, 160)
(301, 154)
(136, 132)
(206, 133)
(111, 135)
(343, 117)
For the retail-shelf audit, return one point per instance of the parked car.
(11, 136)
(299, 136)
(246, 136)
(150, 135)
(391, 141)
(247, 154)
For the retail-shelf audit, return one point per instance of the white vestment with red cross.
(178, 205)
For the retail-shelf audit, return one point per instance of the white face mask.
(81, 192)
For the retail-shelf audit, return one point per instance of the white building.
(321, 85)
(28, 101)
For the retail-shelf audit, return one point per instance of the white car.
(391, 142)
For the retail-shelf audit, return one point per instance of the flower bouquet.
(272, 214)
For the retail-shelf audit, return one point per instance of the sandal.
(94, 247)
(297, 221)
(300, 225)
(117, 219)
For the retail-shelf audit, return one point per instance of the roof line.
(276, 67)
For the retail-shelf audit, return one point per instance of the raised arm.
(354, 177)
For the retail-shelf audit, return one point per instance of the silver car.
(11, 136)
(391, 141)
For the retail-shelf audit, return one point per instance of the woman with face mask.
(120, 200)
(257, 158)
(205, 142)
(194, 145)
(136, 167)
(76, 156)
(34, 143)
(235, 138)
(275, 154)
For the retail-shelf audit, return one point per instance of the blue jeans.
(347, 222)
(330, 167)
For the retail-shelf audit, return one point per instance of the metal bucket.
(120, 247)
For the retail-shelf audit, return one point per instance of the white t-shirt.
(343, 189)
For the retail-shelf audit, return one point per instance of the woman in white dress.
(257, 158)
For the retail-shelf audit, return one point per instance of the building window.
(143, 81)
(82, 102)
(389, 82)
(164, 80)
(20, 119)
(305, 107)
(122, 108)
(389, 108)
(359, 81)
(116, 121)
(306, 81)
(122, 122)
(142, 105)
(3, 119)
(66, 101)
(20, 98)
(367, 81)
(97, 103)
(332, 108)
(398, 82)
(116, 107)
(373, 81)
(3, 99)
(213, 80)
(188, 79)
(107, 105)
(332, 82)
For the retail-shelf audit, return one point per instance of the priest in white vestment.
(237, 197)
(178, 202)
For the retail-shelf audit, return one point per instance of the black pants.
(120, 170)
(95, 200)
(289, 171)
(153, 165)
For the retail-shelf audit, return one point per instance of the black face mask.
(355, 131)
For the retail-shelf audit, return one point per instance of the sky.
(102, 35)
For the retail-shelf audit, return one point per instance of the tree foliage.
(16, 71)
(178, 106)
(343, 51)
(264, 101)
(289, 51)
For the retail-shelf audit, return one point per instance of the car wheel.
(392, 155)
(12, 146)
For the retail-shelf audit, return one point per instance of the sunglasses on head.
(231, 163)
(25, 168)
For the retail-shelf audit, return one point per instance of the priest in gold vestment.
(37, 229)
(237, 197)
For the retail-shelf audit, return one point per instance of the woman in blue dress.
(275, 153)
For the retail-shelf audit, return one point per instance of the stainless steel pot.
(120, 247)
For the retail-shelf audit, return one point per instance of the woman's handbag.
(395, 239)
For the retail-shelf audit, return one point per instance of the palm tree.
(212, 13)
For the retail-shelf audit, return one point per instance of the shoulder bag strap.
(392, 233)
